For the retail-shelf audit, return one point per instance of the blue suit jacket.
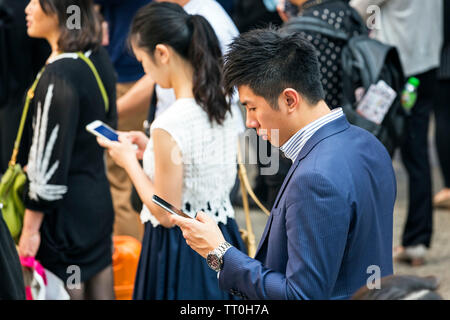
(331, 221)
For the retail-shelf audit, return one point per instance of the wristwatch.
(215, 257)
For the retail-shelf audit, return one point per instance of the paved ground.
(438, 261)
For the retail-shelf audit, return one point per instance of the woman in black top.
(69, 217)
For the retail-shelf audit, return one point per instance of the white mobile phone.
(102, 130)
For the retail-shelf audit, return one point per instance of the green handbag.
(11, 203)
(13, 181)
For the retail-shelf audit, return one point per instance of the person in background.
(288, 9)
(133, 101)
(442, 115)
(69, 215)
(250, 14)
(401, 287)
(407, 25)
(190, 158)
(17, 71)
(337, 13)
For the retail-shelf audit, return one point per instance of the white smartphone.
(100, 129)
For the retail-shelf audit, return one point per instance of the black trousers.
(442, 122)
(419, 223)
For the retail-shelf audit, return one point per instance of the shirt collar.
(294, 145)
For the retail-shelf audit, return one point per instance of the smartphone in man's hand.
(170, 208)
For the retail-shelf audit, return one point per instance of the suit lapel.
(264, 235)
(275, 207)
(326, 131)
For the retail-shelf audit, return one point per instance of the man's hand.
(202, 234)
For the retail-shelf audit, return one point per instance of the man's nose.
(251, 123)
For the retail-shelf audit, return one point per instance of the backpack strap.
(358, 21)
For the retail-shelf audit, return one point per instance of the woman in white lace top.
(190, 159)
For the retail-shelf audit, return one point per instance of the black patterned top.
(338, 14)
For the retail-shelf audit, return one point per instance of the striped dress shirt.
(294, 145)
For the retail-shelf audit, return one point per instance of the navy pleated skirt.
(170, 270)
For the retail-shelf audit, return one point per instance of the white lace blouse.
(208, 157)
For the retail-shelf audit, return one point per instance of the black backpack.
(364, 61)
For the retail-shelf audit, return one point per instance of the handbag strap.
(30, 96)
(97, 77)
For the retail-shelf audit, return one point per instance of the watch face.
(213, 262)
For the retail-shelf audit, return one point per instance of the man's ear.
(162, 53)
(291, 99)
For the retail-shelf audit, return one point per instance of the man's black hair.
(269, 61)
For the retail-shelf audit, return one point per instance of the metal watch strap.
(215, 257)
(222, 248)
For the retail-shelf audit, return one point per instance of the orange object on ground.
(125, 262)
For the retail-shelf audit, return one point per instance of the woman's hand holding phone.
(137, 138)
(123, 152)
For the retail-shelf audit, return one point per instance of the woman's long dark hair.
(193, 38)
(75, 39)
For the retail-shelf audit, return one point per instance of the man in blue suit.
(331, 224)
